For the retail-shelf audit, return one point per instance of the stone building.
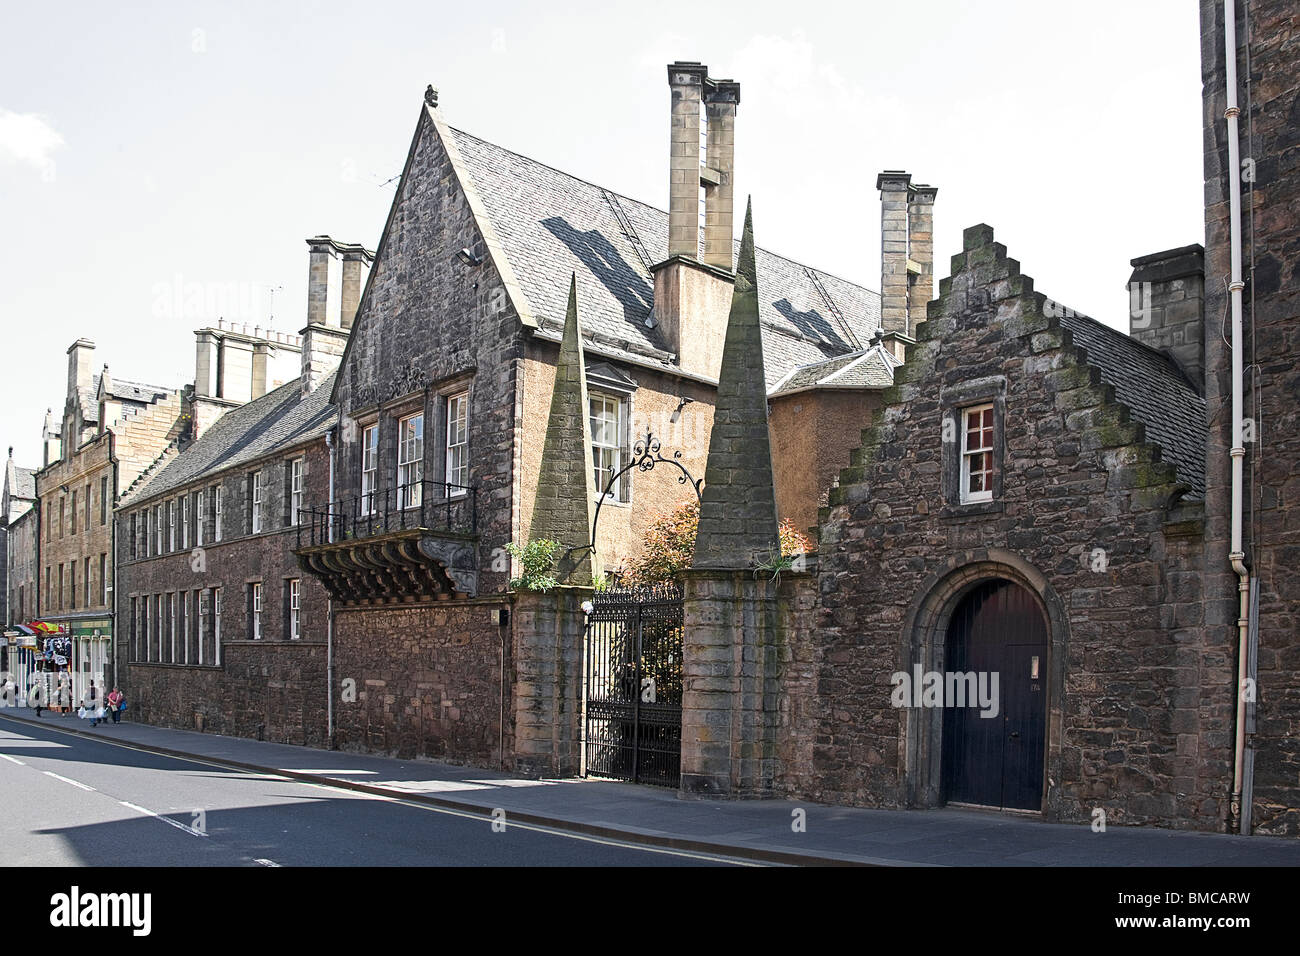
(17, 543)
(445, 394)
(1044, 584)
(221, 630)
(111, 432)
(1254, 131)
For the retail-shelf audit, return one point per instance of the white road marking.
(267, 862)
(168, 820)
(13, 760)
(75, 783)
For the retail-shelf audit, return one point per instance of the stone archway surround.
(922, 641)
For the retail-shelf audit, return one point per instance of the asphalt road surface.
(72, 801)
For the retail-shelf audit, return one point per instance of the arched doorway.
(993, 756)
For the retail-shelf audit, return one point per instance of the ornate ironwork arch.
(646, 453)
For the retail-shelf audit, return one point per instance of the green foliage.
(776, 565)
(669, 547)
(537, 561)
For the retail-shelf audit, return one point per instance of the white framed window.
(158, 527)
(216, 625)
(457, 443)
(608, 431)
(184, 504)
(369, 467)
(293, 608)
(201, 612)
(295, 489)
(216, 513)
(171, 526)
(199, 518)
(410, 460)
(185, 625)
(977, 453)
(172, 605)
(103, 579)
(255, 502)
(86, 582)
(257, 612)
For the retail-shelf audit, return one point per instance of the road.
(72, 801)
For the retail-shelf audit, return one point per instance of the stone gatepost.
(549, 627)
(548, 640)
(732, 635)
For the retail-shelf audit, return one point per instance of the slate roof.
(134, 391)
(1155, 390)
(278, 420)
(868, 368)
(24, 483)
(552, 224)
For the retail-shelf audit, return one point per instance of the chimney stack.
(906, 251)
(79, 359)
(920, 253)
(721, 98)
(894, 185)
(333, 297)
(356, 267)
(1167, 307)
(687, 80)
(324, 280)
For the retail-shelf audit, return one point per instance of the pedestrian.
(115, 704)
(92, 704)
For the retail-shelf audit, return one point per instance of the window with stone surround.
(608, 441)
(184, 504)
(369, 467)
(294, 585)
(977, 453)
(972, 415)
(255, 502)
(410, 460)
(457, 470)
(103, 500)
(216, 512)
(295, 489)
(171, 526)
(103, 579)
(87, 499)
(255, 615)
(158, 529)
(86, 583)
(216, 625)
(200, 518)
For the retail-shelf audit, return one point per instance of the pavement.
(755, 830)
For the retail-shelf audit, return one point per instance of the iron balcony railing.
(435, 505)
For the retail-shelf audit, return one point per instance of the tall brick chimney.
(692, 295)
(1167, 306)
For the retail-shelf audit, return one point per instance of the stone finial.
(430, 96)
(563, 510)
(738, 524)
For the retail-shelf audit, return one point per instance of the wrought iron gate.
(633, 687)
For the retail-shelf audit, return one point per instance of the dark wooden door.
(997, 761)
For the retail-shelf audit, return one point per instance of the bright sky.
(161, 164)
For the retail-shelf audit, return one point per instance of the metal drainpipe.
(1236, 554)
(329, 606)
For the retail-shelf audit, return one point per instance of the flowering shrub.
(669, 546)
